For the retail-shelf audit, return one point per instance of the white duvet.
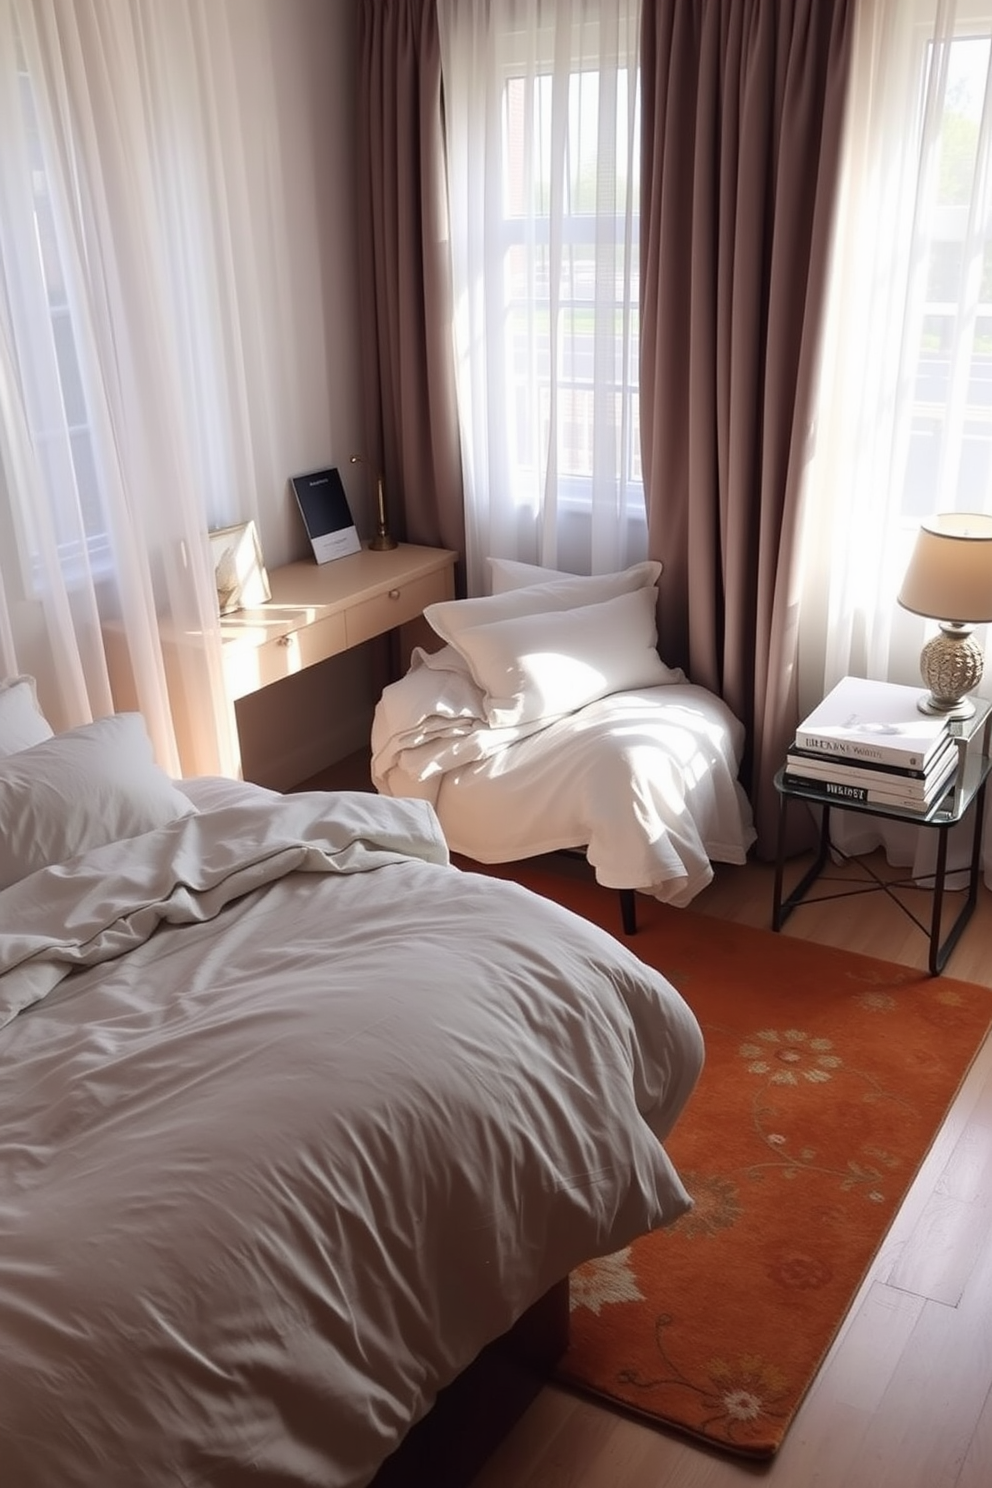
(296, 1118)
(645, 781)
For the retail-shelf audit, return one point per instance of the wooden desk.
(320, 610)
(316, 611)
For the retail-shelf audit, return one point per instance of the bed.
(298, 1117)
(545, 719)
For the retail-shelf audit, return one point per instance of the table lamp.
(949, 579)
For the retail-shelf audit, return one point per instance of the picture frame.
(323, 504)
(239, 572)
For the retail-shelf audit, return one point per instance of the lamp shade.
(950, 573)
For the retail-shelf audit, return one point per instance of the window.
(950, 442)
(54, 393)
(542, 120)
(571, 292)
(903, 418)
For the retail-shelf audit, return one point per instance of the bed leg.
(628, 911)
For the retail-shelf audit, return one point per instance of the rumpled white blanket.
(433, 720)
(645, 781)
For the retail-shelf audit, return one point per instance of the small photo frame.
(239, 572)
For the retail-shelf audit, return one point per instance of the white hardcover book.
(865, 796)
(841, 783)
(876, 721)
(918, 784)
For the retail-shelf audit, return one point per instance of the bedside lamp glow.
(949, 579)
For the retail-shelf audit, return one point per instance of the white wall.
(307, 132)
(310, 141)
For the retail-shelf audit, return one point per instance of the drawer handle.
(286, 640)
(394, 593)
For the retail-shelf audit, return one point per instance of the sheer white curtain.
(129, 296)
(903, 426)
(542, 132)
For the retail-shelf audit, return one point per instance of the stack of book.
(869, 742)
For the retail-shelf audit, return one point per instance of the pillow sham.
(507, 574)
(22, 722)
(79, 790)
(533, 667)
(450, 618)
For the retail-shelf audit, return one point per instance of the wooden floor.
(904, 1399)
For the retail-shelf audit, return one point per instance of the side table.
(965, 794)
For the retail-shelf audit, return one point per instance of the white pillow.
(506, 574)
(22, 722)
(543, 666)
(450, 618)
(79, 790)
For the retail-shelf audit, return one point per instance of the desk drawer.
(248, 668)
(371, 617)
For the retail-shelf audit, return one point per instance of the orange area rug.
(827, 1077)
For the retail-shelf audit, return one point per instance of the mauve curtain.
(406, 277)
(743, 106)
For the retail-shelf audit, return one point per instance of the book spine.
(883, 754)
(847, 772)
(836, 785)
(811, 759)
(864, 794)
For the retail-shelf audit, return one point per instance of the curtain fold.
(903, 405)
(105, 584)
(150, 356)
(406, 298)
(743, 104)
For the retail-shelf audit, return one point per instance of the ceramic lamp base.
(951, 665)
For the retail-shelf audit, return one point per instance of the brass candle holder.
(382, 541)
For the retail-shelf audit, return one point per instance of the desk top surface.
(304, 592)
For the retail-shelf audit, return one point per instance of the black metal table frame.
(940, 950)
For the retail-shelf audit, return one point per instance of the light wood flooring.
(904, 1399)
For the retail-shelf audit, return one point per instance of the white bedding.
(299, 1116)
(645, 780)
